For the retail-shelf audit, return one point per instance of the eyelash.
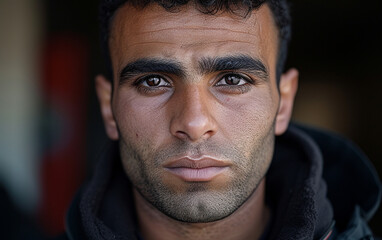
(235, 89)
(147, 89)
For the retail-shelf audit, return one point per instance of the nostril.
(181, 135)
(209, 133)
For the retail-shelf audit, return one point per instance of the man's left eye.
(232, 80)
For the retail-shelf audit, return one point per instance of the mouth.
(197, 170)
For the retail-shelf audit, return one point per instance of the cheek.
(250, 115)
(140, 121)
(249, 122)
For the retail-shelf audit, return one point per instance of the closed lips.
(200, 170)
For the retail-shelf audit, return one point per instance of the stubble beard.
(198, 202)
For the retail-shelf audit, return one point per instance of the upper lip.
(199, 163)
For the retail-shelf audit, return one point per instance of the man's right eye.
(153, 81)
(152, 85)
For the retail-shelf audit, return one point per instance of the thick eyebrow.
(241, 62)
(148, 65)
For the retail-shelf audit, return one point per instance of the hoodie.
(319, 186)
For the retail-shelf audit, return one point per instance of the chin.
(201, 207)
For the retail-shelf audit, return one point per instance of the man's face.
(194, 106)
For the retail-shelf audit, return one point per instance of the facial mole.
(136, 134)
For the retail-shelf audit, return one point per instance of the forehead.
(188, 34)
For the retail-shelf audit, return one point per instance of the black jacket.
(319, 186)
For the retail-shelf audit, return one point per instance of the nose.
(193, 118)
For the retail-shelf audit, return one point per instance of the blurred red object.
(65, 73)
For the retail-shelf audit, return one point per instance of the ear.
(288, 88)
(104, 93)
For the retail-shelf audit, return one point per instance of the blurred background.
(50, 125)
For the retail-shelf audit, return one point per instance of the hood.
(351, 179)
(318, 180)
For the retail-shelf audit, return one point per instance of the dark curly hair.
(279, 8)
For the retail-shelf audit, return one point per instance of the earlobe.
(104, 93)
(288, 88)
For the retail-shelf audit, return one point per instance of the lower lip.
(197, 175)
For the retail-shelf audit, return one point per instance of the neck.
(247, 222)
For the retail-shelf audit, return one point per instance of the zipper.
(329, 232)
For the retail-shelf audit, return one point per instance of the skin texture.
(196, 114)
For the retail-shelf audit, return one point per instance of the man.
(193, 104)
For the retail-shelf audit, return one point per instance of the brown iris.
(232, 79)
(153, 81)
